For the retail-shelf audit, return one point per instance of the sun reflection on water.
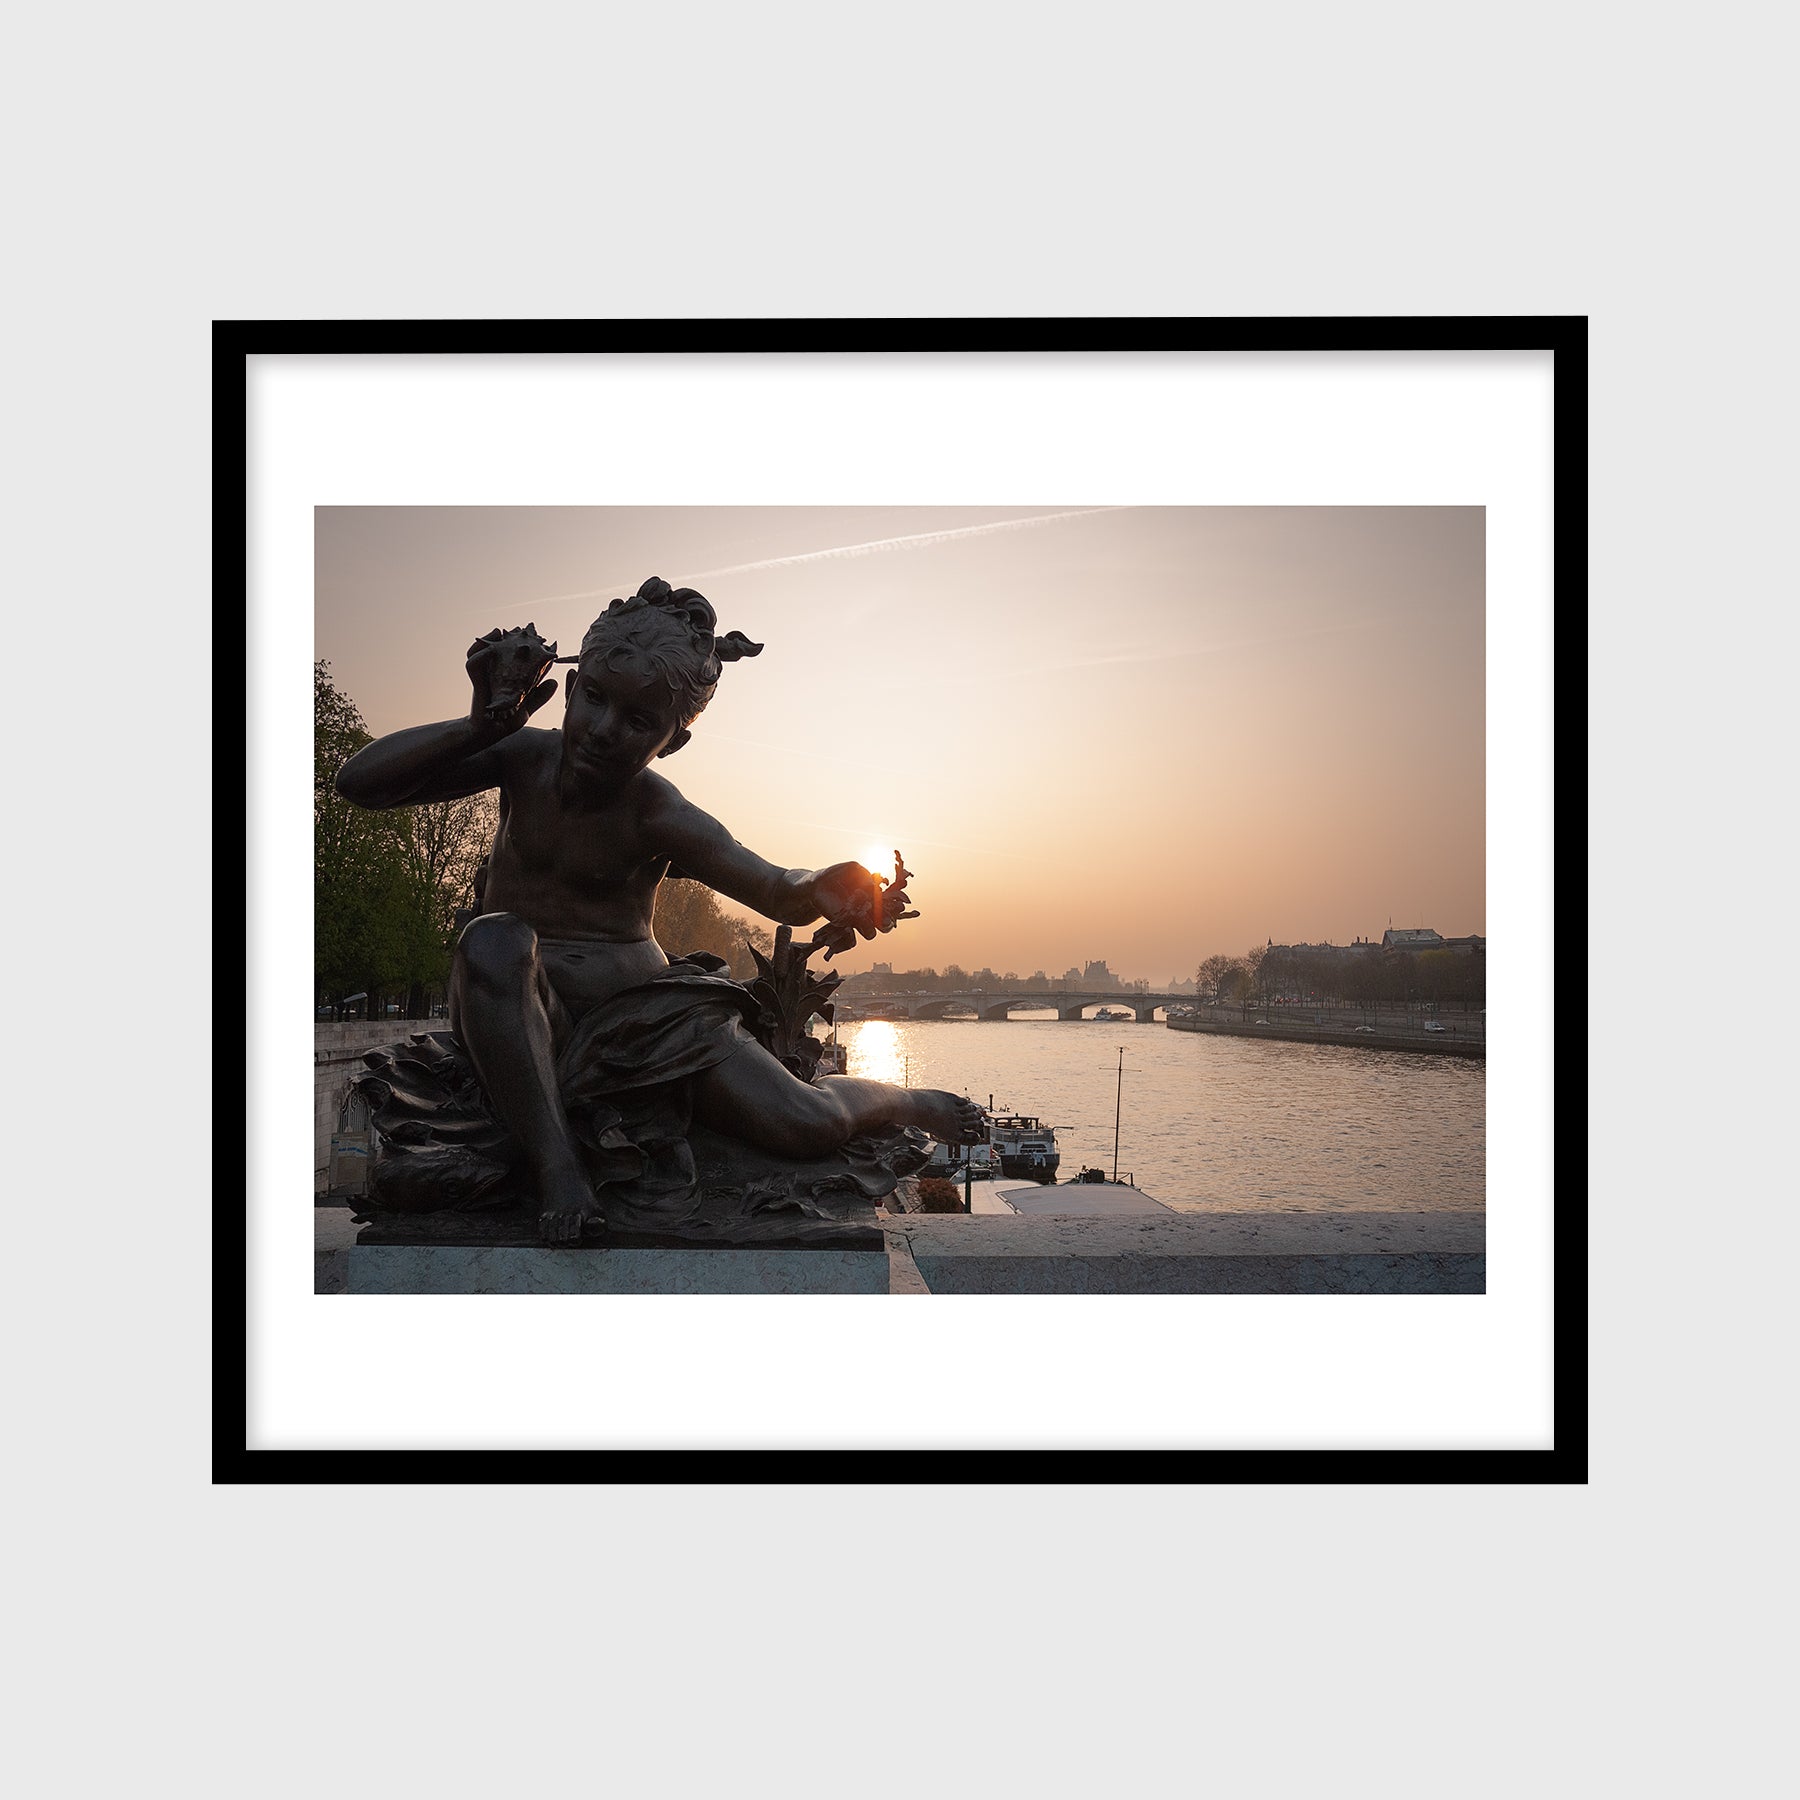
(875, 1052)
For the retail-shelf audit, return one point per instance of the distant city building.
(1416, 937)
(1098, 975)
(882, 969)
(1411, 939)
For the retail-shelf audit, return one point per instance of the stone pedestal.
(520, 1269)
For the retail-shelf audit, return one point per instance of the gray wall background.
(368, 162)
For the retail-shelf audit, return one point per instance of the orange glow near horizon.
(1143, 735)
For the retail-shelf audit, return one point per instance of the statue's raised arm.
(508, 679)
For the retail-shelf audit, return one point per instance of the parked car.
(1433, 1025)
(1362, 1028)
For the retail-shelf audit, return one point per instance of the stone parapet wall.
(1198, 1253)
(357, 1035)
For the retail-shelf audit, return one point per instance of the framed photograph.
(755, 821)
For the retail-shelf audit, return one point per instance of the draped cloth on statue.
(625, 1080)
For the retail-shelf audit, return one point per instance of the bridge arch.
(1020, 1003)
(938, 1008)
(1143, 1008)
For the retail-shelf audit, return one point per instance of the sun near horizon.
(1137, 735)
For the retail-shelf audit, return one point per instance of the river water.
(1214, 1122)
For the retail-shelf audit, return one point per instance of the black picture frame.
(1563, 337)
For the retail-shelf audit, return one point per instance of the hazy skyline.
(1137, 734)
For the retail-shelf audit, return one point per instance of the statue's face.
(616, 722)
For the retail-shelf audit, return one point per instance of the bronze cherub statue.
(589, 1051)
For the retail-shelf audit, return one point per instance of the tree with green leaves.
(356, 941)
(386, 885)
(1210, 977)
(689, 917)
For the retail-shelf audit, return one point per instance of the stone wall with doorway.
(337, 1058)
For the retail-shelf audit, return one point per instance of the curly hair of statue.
(673, 632)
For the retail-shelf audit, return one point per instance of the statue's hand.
(847, 894)
(507, 671)
(895, 902)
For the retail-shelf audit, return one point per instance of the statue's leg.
(509, 1020)
(752, 1096)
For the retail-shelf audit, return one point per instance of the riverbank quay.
(1425, 1043)
(950, 1253)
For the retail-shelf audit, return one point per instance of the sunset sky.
(1143, 734)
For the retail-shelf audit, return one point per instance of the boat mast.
(1118, 1105)
(968, 1175)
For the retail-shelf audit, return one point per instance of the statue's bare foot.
(950, 1118)
(567, 1205)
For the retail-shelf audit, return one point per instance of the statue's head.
(665, 639)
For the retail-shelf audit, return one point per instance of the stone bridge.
(987, 1005)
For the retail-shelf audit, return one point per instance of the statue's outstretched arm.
(706, 851)
(846, 893)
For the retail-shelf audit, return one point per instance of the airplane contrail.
(874, 547)
(1169, 652)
